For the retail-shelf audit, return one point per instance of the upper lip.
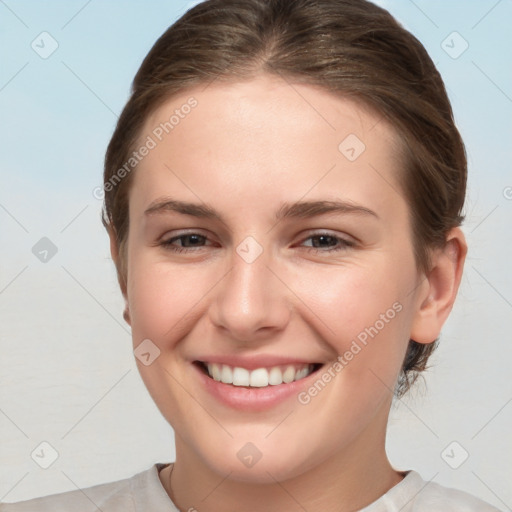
(256, 361)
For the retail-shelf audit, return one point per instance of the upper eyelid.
(347, 239)
(183, 234)
(310, 234)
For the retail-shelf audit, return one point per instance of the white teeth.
(302, 373)
(241, 377)
(226, 375)
(260, 377)
(215, 372)
(289, 374)
(275, 376)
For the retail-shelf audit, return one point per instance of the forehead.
(267, 137)
(268, 102)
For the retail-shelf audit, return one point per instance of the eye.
(327, 242)
(321, 242)
(189, 242)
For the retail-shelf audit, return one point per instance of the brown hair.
(350, 47)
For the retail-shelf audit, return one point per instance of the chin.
(259, 462)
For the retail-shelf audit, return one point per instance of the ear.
(438, 291)
(114, 252)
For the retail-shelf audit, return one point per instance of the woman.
(283, 196)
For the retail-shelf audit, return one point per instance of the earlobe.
(126, 315)
(437, 294)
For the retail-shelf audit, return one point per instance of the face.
(269, 240)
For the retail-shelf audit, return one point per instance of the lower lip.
(252, 398)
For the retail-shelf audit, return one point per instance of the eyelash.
(344, 244)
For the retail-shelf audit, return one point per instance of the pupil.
(323, 237)
(194, 239)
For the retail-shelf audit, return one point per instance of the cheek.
(162, 300)
(364, 313)
(351, 298)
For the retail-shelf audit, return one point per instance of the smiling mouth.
(259, 377)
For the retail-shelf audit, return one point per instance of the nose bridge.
(250, 299)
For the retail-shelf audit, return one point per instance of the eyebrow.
(299, 209)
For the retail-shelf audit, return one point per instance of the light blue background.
(67, 374)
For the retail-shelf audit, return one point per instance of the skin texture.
(246, 149)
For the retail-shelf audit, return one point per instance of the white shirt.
(144, 492)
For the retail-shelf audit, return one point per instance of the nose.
(251, 302)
